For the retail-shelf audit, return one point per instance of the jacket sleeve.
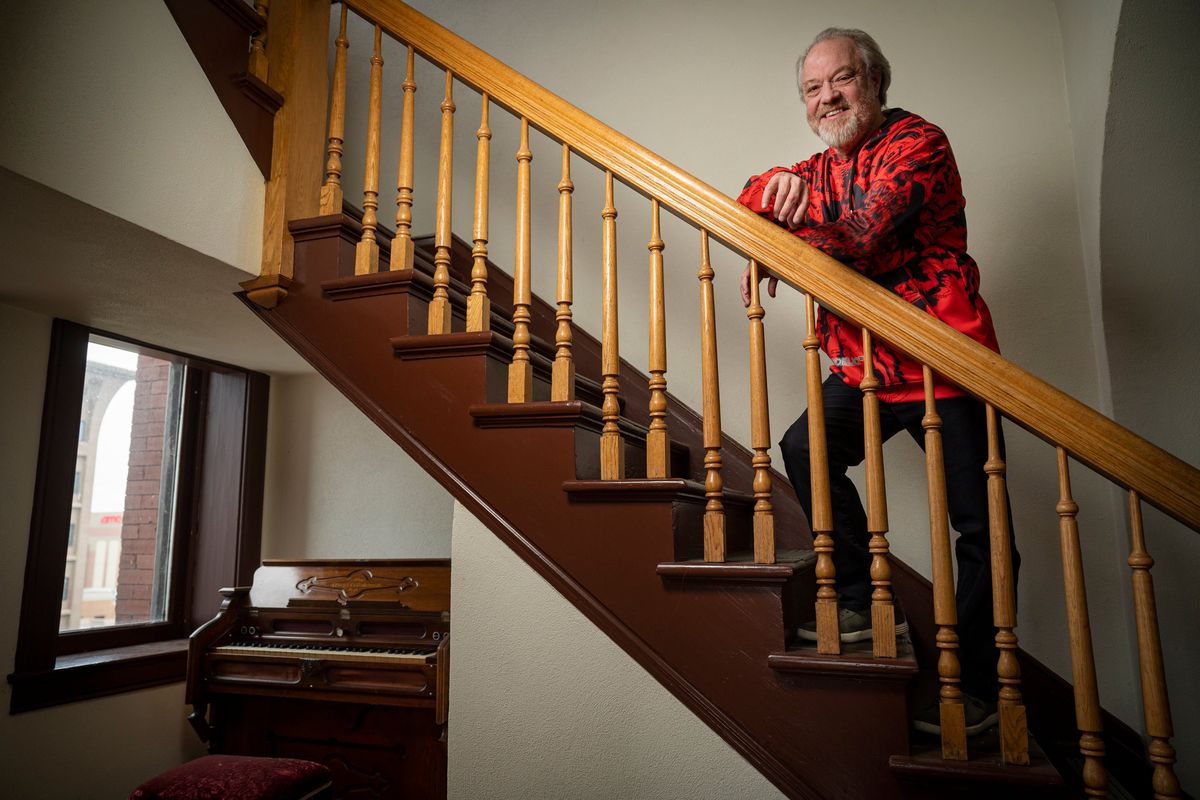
(752, 192)
(910, 171)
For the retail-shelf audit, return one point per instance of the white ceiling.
(63, 258)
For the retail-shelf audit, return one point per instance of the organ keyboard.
(371, 655)
(335, 661)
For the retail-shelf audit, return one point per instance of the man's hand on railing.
(772, 283)
(791, 203)
(791, 198)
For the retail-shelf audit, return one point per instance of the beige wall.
(1151, 287)
(1089, 31)
(95, 749)
(546, 706)
(105, 102)
(339, 488)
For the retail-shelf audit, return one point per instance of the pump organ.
(341, 662)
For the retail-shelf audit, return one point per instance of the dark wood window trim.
(218, 514)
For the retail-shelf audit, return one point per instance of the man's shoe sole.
(927, 727)
(971, 730)
(985, 723)
(853, 636)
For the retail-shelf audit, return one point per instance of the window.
(148, 501)
(135, 403)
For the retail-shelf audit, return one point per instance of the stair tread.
(648, 490)
(855, 659)
(983, 766)
(536, 412)
(435, 344)
(356, 284)
(446, 344)
(741, 567)
(546, 412)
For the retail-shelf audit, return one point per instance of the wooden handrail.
(1158, 477)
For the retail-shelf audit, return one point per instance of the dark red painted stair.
(719, 637)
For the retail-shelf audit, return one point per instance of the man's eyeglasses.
(838, 82)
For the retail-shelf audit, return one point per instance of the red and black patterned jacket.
(893, 211)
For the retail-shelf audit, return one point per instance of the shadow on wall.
(1150, 275)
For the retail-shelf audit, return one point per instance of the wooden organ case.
(341, 662)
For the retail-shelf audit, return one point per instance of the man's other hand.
(772, 283)
(791, 198)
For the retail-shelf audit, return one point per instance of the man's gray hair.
(868, 51)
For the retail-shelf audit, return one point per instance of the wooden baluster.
(612, 445)
(658, 442)
(258, 44)
(440, 313)
(945, 613)
(479, 307)
(402, 244)
(1014, 736)
(520, 371)
(760, 428)
(714, 509)
(829, 639)
(366, 254)
(331, 189)
(562, 378)
(883, 613)
(1079, 629)
(1155, 706)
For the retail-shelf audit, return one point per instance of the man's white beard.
(845, 128)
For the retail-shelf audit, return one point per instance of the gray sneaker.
(980, 715)
(854, 626)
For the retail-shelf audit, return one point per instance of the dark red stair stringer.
(705, 641)
(716, 636)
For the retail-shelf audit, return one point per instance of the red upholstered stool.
(238, 778)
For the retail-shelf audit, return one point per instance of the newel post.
(296, 49)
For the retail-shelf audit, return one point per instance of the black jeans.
(964, 438)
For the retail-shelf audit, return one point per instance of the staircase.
(717, 635)
(395, 323)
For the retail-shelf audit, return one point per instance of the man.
(886, 200)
